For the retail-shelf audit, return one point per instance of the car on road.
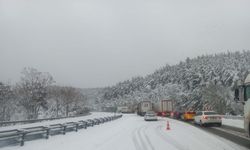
(150, 116)
(204, 118)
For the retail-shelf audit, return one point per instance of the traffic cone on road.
(168, 126)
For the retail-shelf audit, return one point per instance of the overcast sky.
(96, 43)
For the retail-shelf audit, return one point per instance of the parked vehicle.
(164, 107)
(242, 94)
(144, 107)
(177, 115)
(204, 118)
(188, 116)
(150, 116)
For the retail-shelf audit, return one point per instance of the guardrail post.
(47, 133)
(64, 129)
(22, 138)
(76, 127)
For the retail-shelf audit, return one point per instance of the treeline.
(203, 82)
(36, 96)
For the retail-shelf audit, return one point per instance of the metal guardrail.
(21, 135)
(5, 123)
(233, 117)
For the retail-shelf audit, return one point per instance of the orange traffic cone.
(168, 126)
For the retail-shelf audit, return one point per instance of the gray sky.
(95, 43)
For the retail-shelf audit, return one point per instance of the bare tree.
(33, 89)
(67, 100)
(55, 97)
(73, 100)
(68, 97)
(6, 99)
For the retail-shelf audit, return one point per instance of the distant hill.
(204, 82)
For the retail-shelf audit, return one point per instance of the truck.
(144, 107)
(124, 109)
(188, 115)
(163, 107)
(242, 95)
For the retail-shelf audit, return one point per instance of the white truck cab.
(242, 94)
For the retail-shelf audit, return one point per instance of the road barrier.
(233, 117)
(10, 137)
(6, 123)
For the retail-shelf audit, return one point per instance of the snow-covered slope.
(205, 81)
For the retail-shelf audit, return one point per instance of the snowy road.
(131, 132)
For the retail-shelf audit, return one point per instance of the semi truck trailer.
(144, 107)
(163, 107)
(242, 95)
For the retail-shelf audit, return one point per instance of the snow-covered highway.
(131, 132)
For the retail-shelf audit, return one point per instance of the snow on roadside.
(46, 123)
(131, 132)
(233, 122)
(188, 137)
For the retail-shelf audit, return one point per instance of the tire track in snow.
(141, 139)
(143, 143)
(169, 140)
(135, 141)
(148, 140)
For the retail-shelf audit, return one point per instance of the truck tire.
(201, 124)
(248, 130)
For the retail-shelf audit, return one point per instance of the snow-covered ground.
(233, 122)
(45, 123)
(131, 132)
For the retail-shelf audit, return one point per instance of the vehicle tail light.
(205, 117)
(191, 113)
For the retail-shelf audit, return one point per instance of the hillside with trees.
(204, 82)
